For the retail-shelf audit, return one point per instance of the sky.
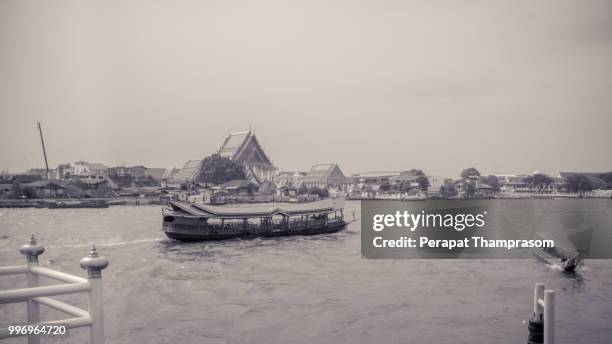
(505, 86)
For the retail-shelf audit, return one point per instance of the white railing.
(543, 315)
(36, 295)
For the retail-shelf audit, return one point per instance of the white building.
(85, 169)
(435, 183)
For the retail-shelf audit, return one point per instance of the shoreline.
(117, 201)
(111, 201)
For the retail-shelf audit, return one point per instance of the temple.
(244, 148)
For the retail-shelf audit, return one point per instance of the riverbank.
(111, 201)
(134, 201)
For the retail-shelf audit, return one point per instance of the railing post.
(32, 250)
(549, 317)
(538, 294)
(94, 264)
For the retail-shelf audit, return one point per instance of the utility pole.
(42, 141)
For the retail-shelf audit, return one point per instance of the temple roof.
(244, 147)
(232, 144)
(323, 173)
(187, 173)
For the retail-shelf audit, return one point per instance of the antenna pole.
(42, 141)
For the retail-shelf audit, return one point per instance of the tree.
(492, 181)
(579, 183)
(607, 177)
(598, 183)
(448, 190)
(385, 186)
(217, 170)
(470, 172)
(423, 183)
(322, 192)
(15, 190)
(302, 190)
(29, 193)
(470, 190)
(538, 179)
(73, 191)
(148, 181)
(124, 181)
(404, 186)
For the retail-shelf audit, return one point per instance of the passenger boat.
(203, 222)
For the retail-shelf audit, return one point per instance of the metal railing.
(36, 295)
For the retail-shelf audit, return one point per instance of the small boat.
(204, 222)
(567, 260)
(569, 251)
(77, 204)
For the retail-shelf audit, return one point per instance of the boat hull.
(187, 235)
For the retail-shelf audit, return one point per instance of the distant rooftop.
(323, 173)
(238, 183)
(233, 143)
(156, 173)
(187, 173)
(377, 174)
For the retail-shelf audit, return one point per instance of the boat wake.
(110, 243)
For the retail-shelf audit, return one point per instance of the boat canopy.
(243, 211)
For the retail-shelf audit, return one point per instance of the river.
(315, 289)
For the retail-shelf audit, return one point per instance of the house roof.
(376, 174)
(189, 171)
(26, 178)
(406, 176)
(237, 184)
(93, 181)
(156, 173)
(258, 210)
(169, 173)
(291, 173)
(323, 173)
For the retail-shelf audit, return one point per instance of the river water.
(314, 289)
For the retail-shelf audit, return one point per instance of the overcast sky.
(506, 86)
